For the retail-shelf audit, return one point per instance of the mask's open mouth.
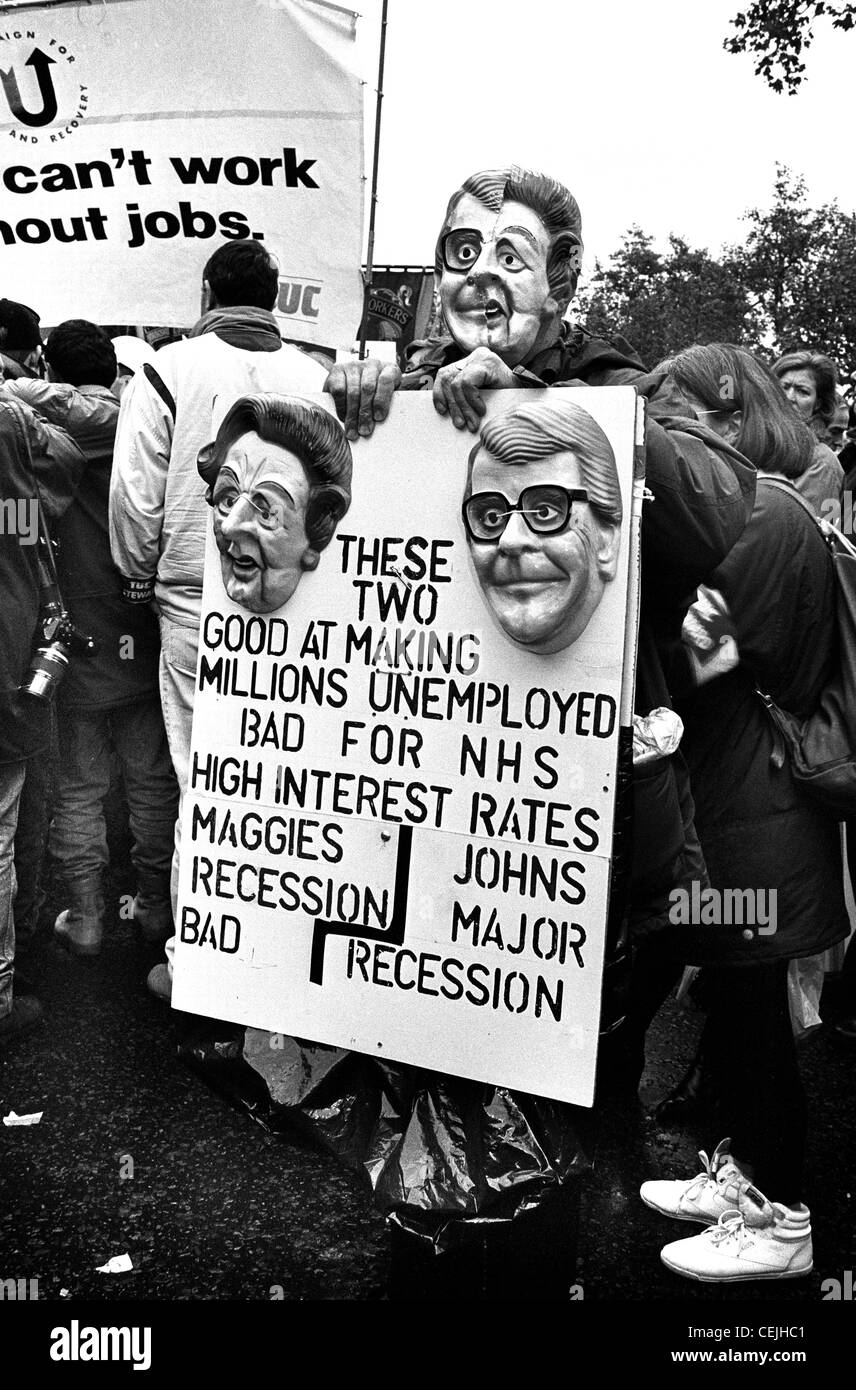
(244, 566)
(494, 312)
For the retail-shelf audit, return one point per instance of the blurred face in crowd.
(260, 500)
(542, 585)
(800, 388)
(837, 431)
(493, 285)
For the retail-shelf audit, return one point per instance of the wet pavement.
(136, 1153)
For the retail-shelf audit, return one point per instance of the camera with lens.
(58, 639)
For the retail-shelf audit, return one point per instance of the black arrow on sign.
(393, 934)
(41, 65)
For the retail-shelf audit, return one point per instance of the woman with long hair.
(810, 382)
(765, 844)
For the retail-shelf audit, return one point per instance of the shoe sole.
(736, 1278)
(680, 1215)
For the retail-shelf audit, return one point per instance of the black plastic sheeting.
(434, 1148)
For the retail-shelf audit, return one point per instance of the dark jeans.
(11, 782)
(750, 1061)
(78, 841)
(848, 982)
(31, 839)
(750, 1052)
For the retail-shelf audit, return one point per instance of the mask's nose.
(239, 520)
(517, 535)
(484, 271)
(483, 280)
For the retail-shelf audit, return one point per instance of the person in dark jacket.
(524, 230)
(39, 469)
(761, 836)
(109, 703)
(507, 262)
(20, 341)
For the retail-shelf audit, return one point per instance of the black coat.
(36, 460)
(703, 493)
(757, 828)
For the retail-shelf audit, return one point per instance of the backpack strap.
(783, 736)
(835, 539)
(157, 383)
(782, 485)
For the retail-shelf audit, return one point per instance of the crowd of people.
(104, 450)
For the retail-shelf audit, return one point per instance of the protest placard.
(137, 137)
(398, 829)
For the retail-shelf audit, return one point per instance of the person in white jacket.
(158, 513)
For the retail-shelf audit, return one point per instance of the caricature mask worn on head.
(493, 280)
(260, 499)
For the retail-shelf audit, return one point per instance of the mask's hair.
(308, 431)
(555, 206)
(536, 431)
(727, 379)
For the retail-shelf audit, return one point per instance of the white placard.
(398, 829)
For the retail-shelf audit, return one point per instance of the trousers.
(179, 648)
(749, 1048)
(11, 782)
(88, 739)
(31, 838)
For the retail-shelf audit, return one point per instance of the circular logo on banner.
(387, 316)
(42, 97)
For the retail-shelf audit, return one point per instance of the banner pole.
(367, 278)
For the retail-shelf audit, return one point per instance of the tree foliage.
(779, 32)
(798, 266)
(665, 302)
(792, 283)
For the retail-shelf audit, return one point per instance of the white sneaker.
(732, 1251)
(721, 1187)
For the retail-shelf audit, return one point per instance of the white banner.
(398, 829)
(137, 137)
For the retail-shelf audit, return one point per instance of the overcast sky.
(633, 104)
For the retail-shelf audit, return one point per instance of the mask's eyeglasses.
(269, 515)
(461, 249)
(545, 507)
